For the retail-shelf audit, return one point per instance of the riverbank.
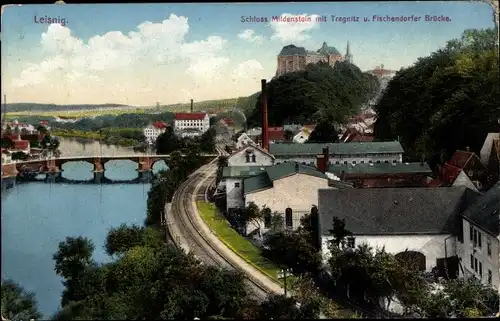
(101, 136)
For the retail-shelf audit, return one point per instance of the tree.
(17, 304)
(221, 163)
(167, 142)
(444, 102)
(294, 251)
(279, 307)
(123, 238)
(339, 232)
(288, 134)
(42, 129)
(7, 143)
(310, 225)
(318, 92)
(324, 132)
(252, 214)
(19, 156)
(207, 141)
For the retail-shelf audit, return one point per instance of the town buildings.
(293, 58)
(191, 124)
(480, 241)
(468, 163)
(339, 153)
(251, 156)
(152, 131)
(490, 156)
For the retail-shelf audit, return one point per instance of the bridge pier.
(98, 177)
(145, 176)
(53, 176)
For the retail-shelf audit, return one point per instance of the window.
(337, 162)
(387, 162)
(472, 262)
(394, 161)
(476, 265)
(267, 219)
(490, 277)
(288, 218)
(354, 162)
(488, 246)
(351, 242)
(370, 162)
(480, 269)
(345, 162)
(479, 239)
(475, 238)
(253, 158)
(471, 233)
(247, 158)
(237, 184)
(362, 162)
(378, 162)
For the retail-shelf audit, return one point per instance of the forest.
(319, 92)
(446, 101)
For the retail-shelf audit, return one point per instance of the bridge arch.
(412, 259)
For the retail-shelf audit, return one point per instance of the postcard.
(350, 145)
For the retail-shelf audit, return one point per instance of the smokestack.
(265, 125)
(326, 154)
(191, 105)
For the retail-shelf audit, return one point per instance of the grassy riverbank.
(237, 243)
(110, 136)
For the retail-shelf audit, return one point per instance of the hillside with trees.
(319, 92)
(446, 101)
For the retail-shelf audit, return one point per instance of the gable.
(240, 157)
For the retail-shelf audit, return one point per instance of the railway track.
(183, 216)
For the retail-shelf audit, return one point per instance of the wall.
(432, 246)
(489, 263)
(239, 159)
(309, 159)
(234, 195)
(299, 192)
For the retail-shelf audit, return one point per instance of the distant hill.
(214, 106)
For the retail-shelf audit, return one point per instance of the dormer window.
(247, 158)
(253, 158)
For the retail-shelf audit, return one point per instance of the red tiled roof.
(21, 144)
(276, 133)
(190, 116)
(228, 121)
(434, 183)
(460, 158)
(159, 124)
(362, 138)
(449, 173)
(44, 122)
(12, 137)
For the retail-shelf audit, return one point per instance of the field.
(214, 106)
(237, 243)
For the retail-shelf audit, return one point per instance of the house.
(21, 146)
(233, 177)
(490, 156)
(276, 134)
(6, 156)
(339, 153)
(472, 166)
(244, 140)
(251, 156)
(480, 247)
(191, 124)
(421, 222)
(354, 135)
(152, 131)
(288, 189)
(302, 136)
(382, 174)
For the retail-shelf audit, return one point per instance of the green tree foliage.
(207, 141)
(122, 238)
(251, 214)
(7, 143)
(167, 142)
(149, 280)
(221, 163)
(318, 92)
(19, 156)
(324, 132)
(17, 304)
(293, 250)
(310, 228)
(446, 101)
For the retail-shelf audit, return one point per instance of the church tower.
(348, 56)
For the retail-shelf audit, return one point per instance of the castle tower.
(348, 56)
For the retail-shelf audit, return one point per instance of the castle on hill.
(293, 58)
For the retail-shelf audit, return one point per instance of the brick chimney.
(191, 105)
(467, 149)
(265, 125)
(320, 163)
(326, 155)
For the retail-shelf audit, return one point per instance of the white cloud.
(246, 70)
(156, 44)
(294, 28)
(250, 36)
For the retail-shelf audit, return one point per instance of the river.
(36, 216)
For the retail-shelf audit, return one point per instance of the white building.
(339, 153)
(251, 156)
(152, 131)
(421, 222)
(288, 189)
(480, 246)
(244, 140)
(302, 136)
(6, 156)
(191, 124)
(232, 179)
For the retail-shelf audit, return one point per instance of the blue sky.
(209, 55)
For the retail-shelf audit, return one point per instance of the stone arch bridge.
(145, 162)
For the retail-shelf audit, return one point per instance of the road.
(186, 230)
